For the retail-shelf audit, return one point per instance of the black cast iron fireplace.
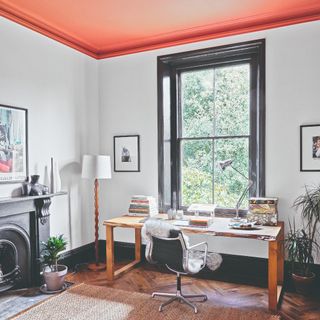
(10, 269)
(15, 257)
(24, 224)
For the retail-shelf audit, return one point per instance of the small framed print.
(126, 151)
(310, 147)
(13, 144)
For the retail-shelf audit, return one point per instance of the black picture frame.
(308, 161)
(15, 177)
(124, 166)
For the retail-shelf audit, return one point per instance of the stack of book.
(263, 211)
(143, 206)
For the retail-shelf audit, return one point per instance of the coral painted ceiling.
(106, 28)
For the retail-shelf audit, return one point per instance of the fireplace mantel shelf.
(28, 198)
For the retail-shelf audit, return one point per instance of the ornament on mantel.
(46, 179)
(57, 176)
(55, 179)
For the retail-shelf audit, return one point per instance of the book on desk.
(143, 206)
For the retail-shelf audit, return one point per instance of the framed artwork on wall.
(310, 147)
(13, 144)
(126, 150)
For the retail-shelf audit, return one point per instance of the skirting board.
(78, 255)
(235, 269)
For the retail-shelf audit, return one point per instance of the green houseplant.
(54, 273)
(301, 244)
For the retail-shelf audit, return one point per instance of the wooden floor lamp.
(96, 167)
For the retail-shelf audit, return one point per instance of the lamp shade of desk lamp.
(223, 165)
(96, 167)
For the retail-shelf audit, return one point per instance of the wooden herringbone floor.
(147, 278)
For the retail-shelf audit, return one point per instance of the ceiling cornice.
(48, 31)
(214, 31)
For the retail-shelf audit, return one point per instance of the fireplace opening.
(15, 257)
(10, 272)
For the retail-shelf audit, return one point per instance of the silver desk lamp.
(228, 163)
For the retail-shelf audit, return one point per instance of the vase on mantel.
(55, 179)
(46, 179)
(35, 187)
(57, 176)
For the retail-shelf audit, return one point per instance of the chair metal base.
(179, 297)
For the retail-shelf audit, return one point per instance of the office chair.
(173, 252)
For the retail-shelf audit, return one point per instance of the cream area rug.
(86, 302)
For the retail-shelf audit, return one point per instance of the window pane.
(196, 172)
(229, 184)
(197, 103)
(231, 93)
(166, 173)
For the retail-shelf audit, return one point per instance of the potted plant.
(302, 243)
(54, 273)
(300, 247)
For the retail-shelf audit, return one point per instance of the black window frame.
(169, 66)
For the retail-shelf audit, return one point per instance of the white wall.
(59, 87)
(128, 105)
(63, 90)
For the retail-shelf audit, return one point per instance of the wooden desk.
(274, 236)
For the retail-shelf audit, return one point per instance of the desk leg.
(137, 245)
(281, 254)
(110, 252)
(275, 273)
(137, 257)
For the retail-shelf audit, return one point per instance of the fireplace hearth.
(24, 224)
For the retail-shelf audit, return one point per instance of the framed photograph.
(310, 147)
(126, 153)
(13, 144)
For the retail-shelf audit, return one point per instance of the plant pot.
(55, 279)
(303, 285)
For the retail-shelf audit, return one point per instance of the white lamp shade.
(224, 164)
(96, 167)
